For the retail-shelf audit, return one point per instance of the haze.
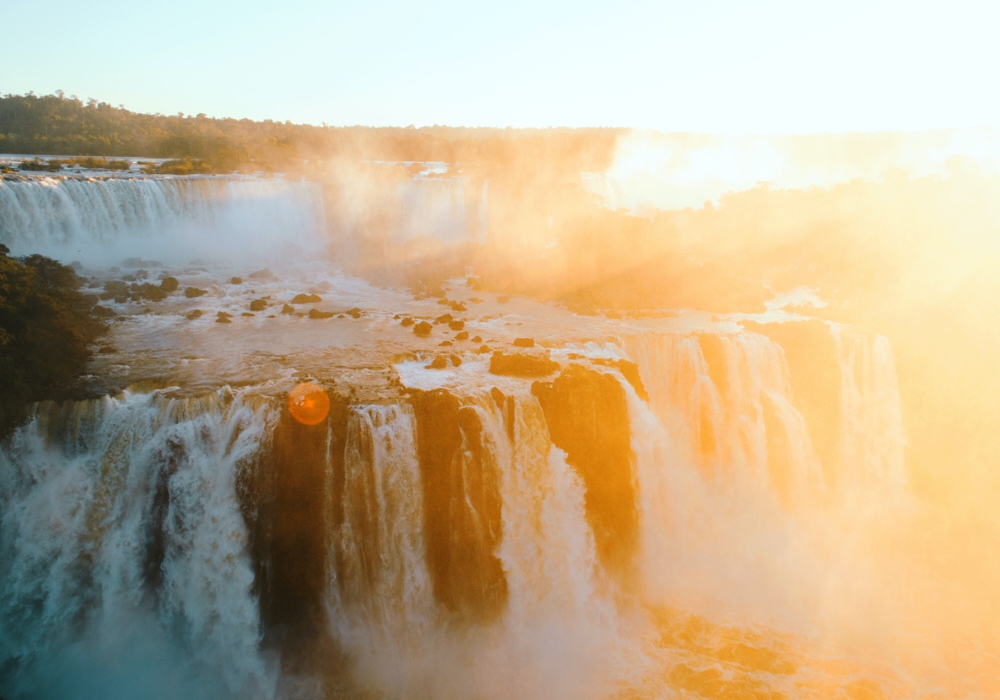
(713, 67)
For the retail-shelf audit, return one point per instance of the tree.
(46, 327)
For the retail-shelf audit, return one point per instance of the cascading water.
(449, 532)
(172, 219)
(125, 562)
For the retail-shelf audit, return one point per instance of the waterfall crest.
(174, 219)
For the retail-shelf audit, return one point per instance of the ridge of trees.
(60, 125)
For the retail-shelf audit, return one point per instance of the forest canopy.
(60, 125)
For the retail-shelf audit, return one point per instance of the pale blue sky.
(714, 66)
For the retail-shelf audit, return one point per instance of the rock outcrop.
(587, 416)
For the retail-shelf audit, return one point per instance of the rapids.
(683, 508)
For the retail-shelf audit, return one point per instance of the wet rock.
(587, 415)
(115, 287)
(439, 362)
(442, 302)
(169, 284)
(456, 325)
(521, 364)
(483, 349)
(477, 339)
(223, 319)
(152, 293)
(457, 306)
(316, 313)
(464, 335)
(247, 313)
(355, 312)
(287, 309)
(444, 318)
(524, 342)
(264, 274)
(406, 322)
(306, 299)
(236, 280)
(194, 314)
(455, 359)
(499, 398)
(475, 300)
(629, 370)
(194, 292)
(445, 342)
(224, 314)
(423, 329)
(121, 298)
(258, 304)
(461, 507)
(129, 278)
(108, 350)
(141, 275)
(102, 312)
(297, 484)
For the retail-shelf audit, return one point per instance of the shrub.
(46, 326)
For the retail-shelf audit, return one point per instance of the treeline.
(60, 125)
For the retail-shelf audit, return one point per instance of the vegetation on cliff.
(46, 327)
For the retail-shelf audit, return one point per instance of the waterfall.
(872, 439)
(174, 219)
(451, 544)
(124, 558)
(379, 590)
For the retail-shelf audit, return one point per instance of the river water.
(771, 554)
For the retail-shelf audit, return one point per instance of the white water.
(171, 219)
(89, 497)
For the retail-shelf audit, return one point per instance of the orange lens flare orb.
(308, 404)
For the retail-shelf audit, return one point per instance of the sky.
(767, 67)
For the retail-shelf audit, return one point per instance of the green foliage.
(55, 125)
(46, 326)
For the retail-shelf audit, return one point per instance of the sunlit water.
(127, 572)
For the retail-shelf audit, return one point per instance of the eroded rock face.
(587, 416)
(289, 540)
(462, 505)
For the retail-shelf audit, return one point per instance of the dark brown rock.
(169, 284)
(464, 335)
(629, 370)
(287, 309)
(316, 313)
(462, 507)
(258, 304)
(406, 322)
(423, 329)
(194, 292)
(587, 415)
(456, 325)
(521, 364)
(306, 299)
(439, 362)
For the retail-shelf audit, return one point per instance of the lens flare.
(308, 404)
